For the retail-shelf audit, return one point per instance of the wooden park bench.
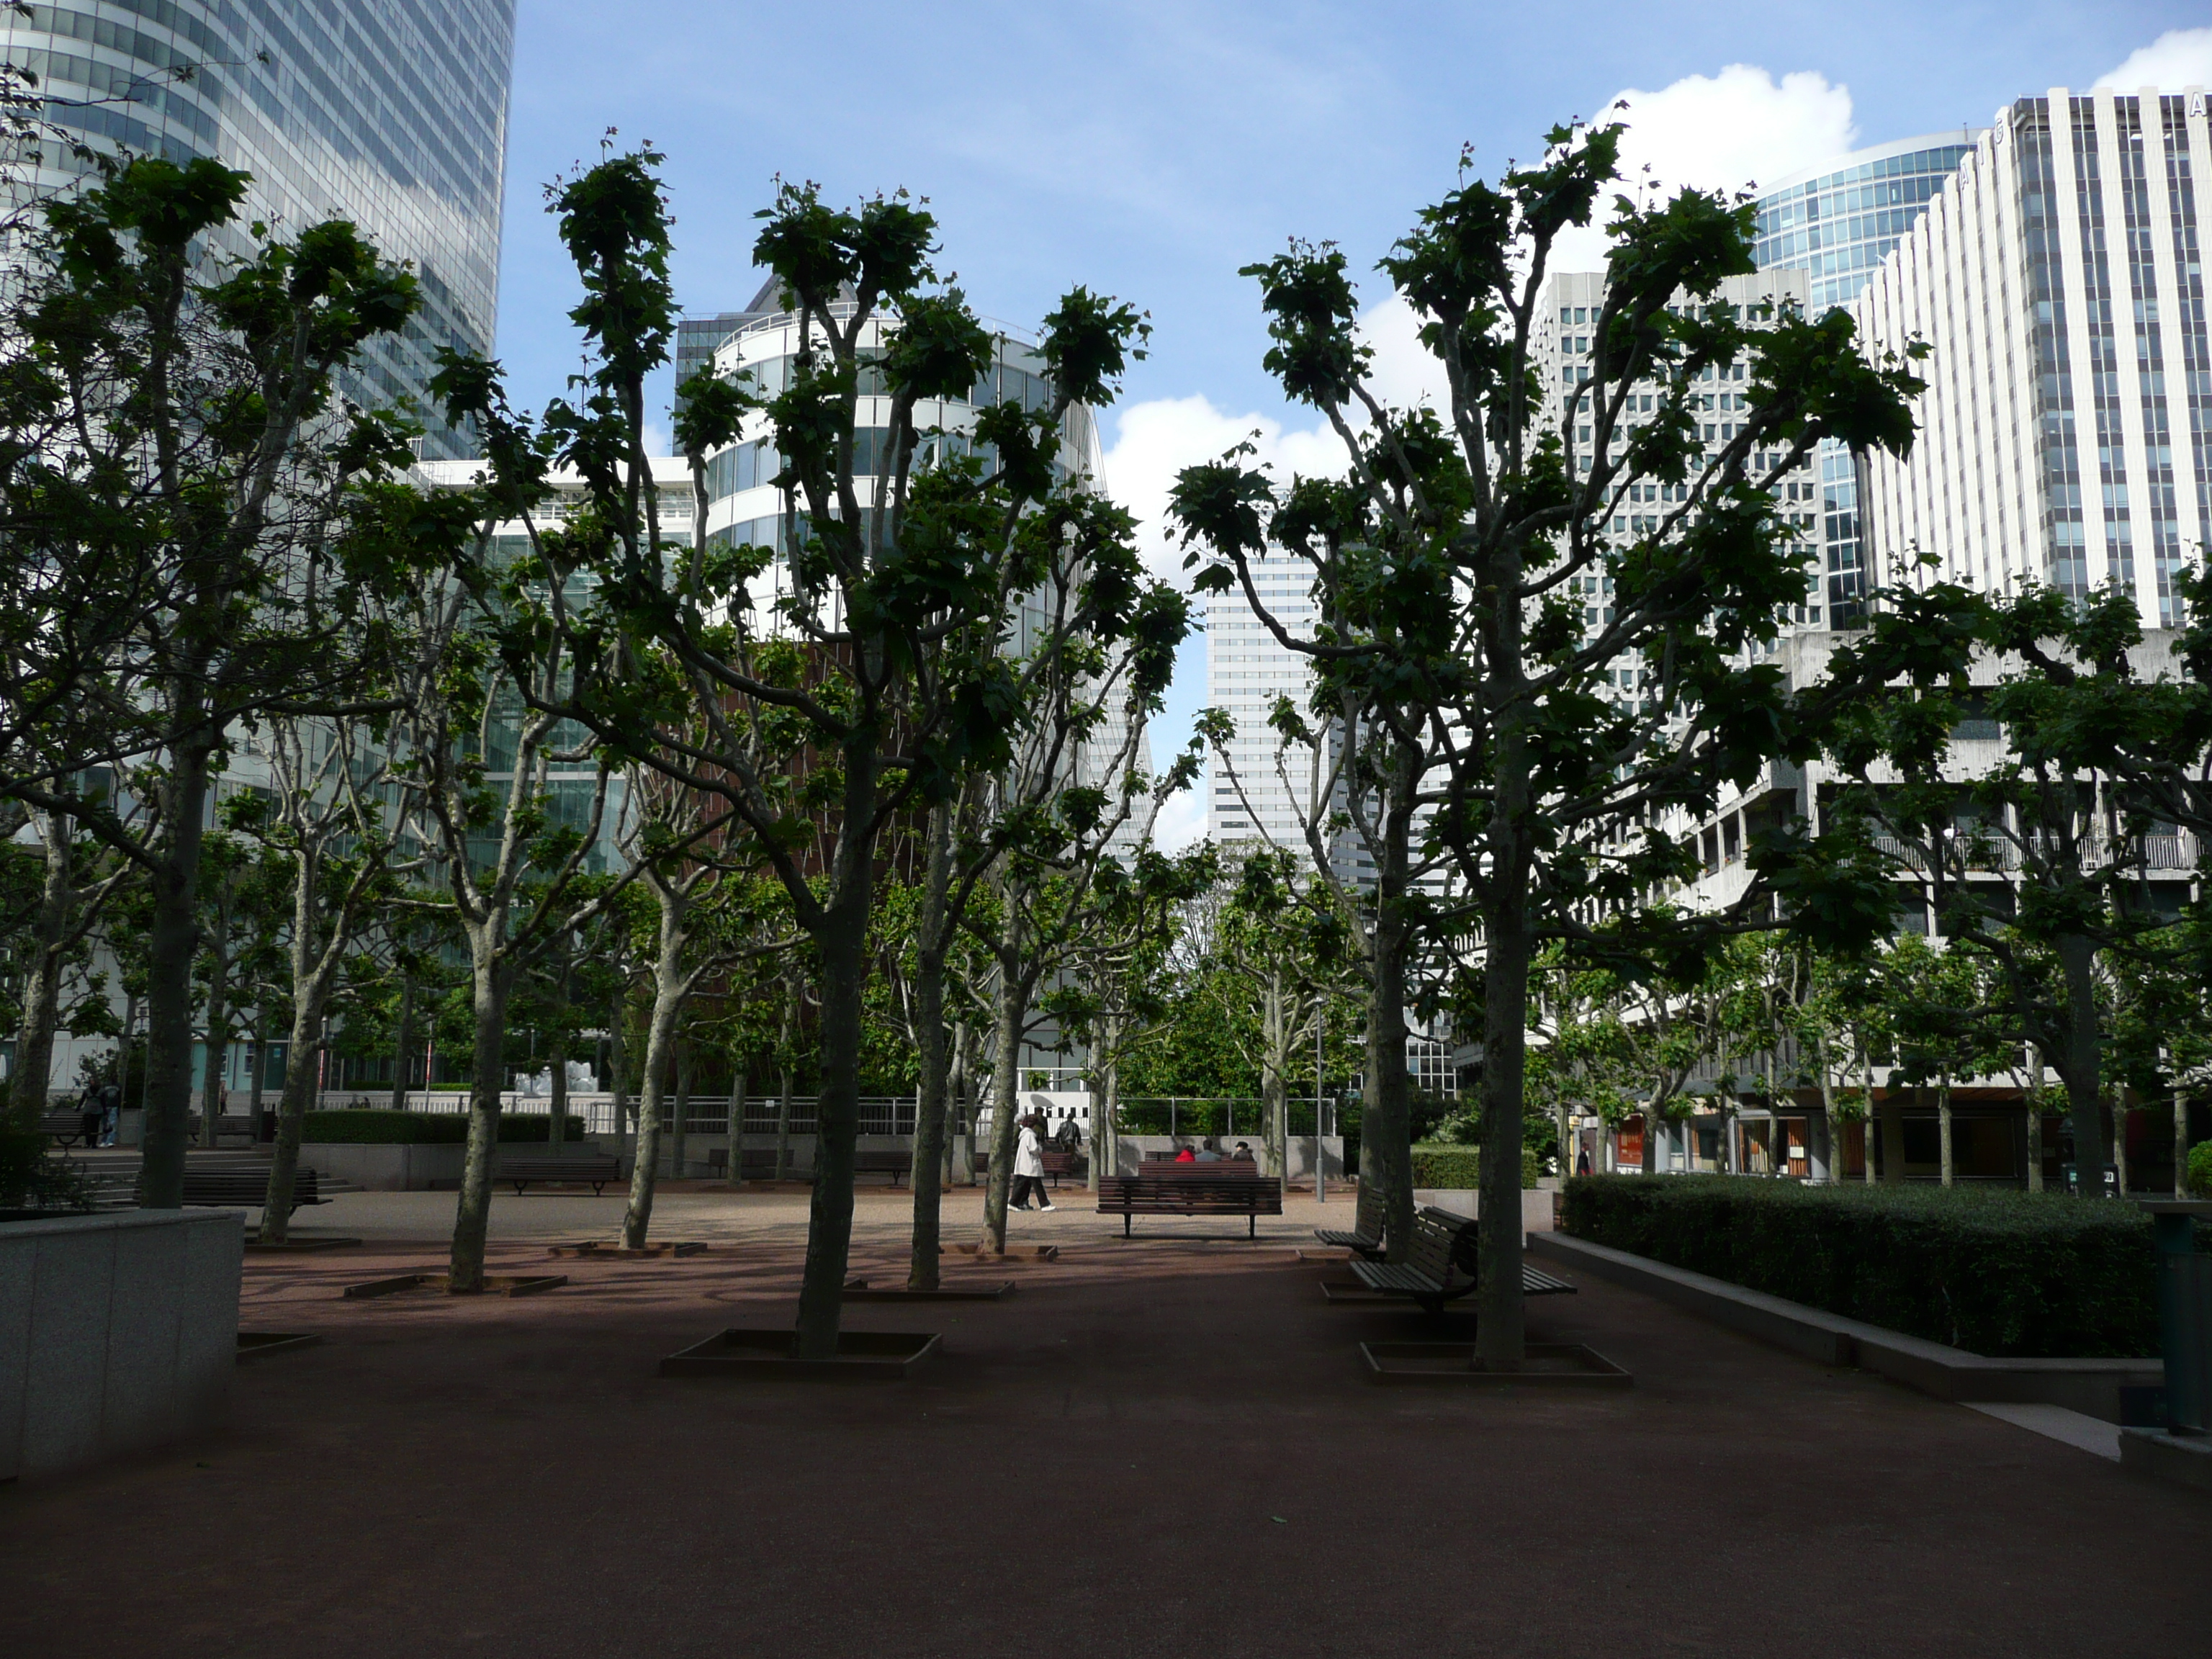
(1204, 1189)
(1056, 1164)
(1369, 1225)
(896, 1165)
(65, 1126)
(1168, 1166)
(1441, 1266)
(595, 1172)
(247, 1188)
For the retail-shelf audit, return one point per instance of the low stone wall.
(2091, 1387)
(1536, 1204)
(116, 1333)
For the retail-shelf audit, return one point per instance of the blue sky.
(1149, 149)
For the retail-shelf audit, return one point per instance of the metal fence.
(704, 1115)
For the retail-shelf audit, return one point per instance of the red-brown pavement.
(1155, 1448)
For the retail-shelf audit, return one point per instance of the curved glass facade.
(1837, 223)
(393, 116)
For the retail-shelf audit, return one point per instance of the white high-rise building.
(1562, 351)
(2066, 433)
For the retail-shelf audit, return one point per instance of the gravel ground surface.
(1164, 1447)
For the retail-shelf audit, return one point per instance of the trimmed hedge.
(370, 1126)
(2000, 1273)
(1438, 1165)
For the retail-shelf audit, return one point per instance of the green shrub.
(31, 1179)
(2002, 1273)
(373, 1126)
(2200, 1169)
(1447, 1166)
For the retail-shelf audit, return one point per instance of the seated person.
(1208, 1154)
(1184, 1155)
(1243, 1153)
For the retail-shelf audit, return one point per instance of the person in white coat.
(1029, 1167)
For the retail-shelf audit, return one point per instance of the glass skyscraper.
(1836, 223)
(392, 113)
(2066, 433)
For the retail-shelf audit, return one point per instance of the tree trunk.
(1005, 1086)
(2082, 1071)
(934, 1053)
(42, 975)
(2120, 1139)
(1102, 1105)
(1500, 1331)
(2035, 1141)
(556, 1104)
(736, 1122)
(302, 1058)
(963, 1103)
(680, 1114)
(256, 1084)
(1829, 1126)
(1867, 1133)
(1892, 1138)
(2181, 1144)
(1943, 1122)
(404, 1043)
(172, 939)
(785, 1035)
(843, 942)
(660, 1044)
(212, 1068)
(1385, 1150)
(618, 1081)
(1274, 1043)
(472, 1213)
(787, 1081)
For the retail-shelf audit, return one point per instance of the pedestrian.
(1029, 1167)
(1582, 1162)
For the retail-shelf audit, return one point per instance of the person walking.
(1029, 1167)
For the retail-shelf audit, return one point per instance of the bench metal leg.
(1125, 1225)
(1252, 1225)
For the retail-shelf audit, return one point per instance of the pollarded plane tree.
(904, 563)
(1353, 764)
(707, 921)
(175, 463)
(1279, 942)
(514, 858)
(1112, 996)
(1480, 527)
(322, 817)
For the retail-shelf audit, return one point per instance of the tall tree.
(890, 554)
(1452, 564)
(174, 460)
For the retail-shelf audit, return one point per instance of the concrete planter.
(116, 1333)
(1535, 1204)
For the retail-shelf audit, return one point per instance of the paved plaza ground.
(1164, 1447)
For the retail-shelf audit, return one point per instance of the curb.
(2091, 1387)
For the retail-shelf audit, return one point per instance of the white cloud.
(2178, 58)
(1181, 822)
(1154, 441)
(1726, 132)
